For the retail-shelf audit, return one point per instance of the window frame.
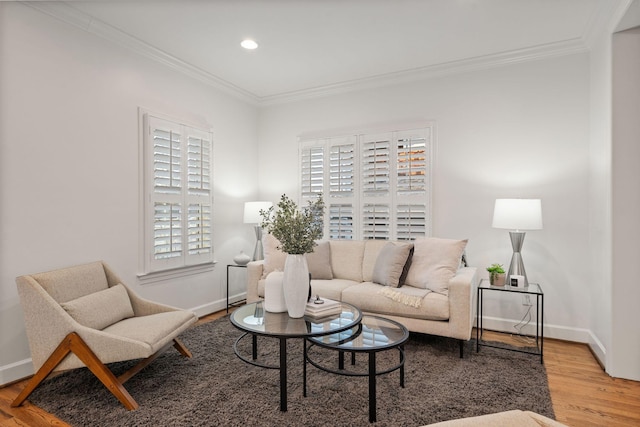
(391, 218)
(201, 258)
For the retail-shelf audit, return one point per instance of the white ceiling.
(311, 45)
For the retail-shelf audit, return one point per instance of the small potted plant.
(496, 275)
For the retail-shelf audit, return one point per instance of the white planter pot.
(296, 284)
(273, 293)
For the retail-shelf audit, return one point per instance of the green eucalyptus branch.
(297, 230)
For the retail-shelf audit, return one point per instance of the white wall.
(625, 345)
(69, 184)
(517, 131)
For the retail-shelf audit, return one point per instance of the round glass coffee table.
(254, 321)
(373, 335)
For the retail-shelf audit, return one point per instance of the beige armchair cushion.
(101, 309)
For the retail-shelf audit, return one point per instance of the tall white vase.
(273, 293)
(296, 284)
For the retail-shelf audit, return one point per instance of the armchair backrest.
(74, 282)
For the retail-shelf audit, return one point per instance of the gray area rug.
(215, 388)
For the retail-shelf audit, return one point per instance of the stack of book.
(322, 307)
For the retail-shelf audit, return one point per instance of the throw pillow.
(435, 261)
(391, 263)
(319, 262)
(100, 309)
(274, 258)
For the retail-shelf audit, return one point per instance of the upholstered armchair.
(85, 316)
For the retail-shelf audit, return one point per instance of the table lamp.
(517, 215)
(252, 216)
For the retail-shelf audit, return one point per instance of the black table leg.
(304, 370)
(372, 387)
(283, 374)
(254, 346)
(402, 366)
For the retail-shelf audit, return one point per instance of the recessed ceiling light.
(249, 44)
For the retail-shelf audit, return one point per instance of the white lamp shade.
(252, 211)
(518, 214)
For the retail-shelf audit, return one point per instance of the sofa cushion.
(331, 289)
(434, 262)
(372, 248)
(274, 258)
(368, 298)
(390, 265)
(319, 261)
(100, 309)
(346, 259)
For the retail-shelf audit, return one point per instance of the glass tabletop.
(254, 319)
(533, 288)
(373, 333)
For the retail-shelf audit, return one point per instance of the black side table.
(532, 289)
(233, 304)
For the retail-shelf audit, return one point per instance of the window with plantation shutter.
(312, 170)
(376, 158)
(376, 185)
(178, 199)
(341, 221)
(341, 170)
(376, 221)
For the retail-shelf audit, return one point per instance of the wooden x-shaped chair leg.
(73, 343)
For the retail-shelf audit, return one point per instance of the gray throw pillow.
(390, 264)
(319, 262)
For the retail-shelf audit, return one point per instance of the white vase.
(273, 293)
(242, 258)
(295, 284)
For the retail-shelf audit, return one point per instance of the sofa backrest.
(355, 259)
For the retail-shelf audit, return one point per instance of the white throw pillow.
(319, 262)
(274, 258)
(435, 261)
(390, 264)
(101, 309)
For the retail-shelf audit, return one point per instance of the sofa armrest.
(461, 293)
(254, 273)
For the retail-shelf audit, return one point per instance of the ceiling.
(316, 45)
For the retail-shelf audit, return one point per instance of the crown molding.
(70, 15)
(568, 47)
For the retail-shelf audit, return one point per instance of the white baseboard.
(16, 371)
(550, 331)
(212, 307)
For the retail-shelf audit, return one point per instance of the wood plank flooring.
(583, 394)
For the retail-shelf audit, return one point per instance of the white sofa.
(354, 265)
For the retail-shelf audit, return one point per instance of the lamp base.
(517, 266)
(258, 252)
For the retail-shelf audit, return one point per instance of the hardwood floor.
(583, 394)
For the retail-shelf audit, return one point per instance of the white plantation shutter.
(178, 171)
(342, 170)
(375, 185)
(376, 159)
(411, 222)
(376, 221)
(412, 162)
(312, 170)
(341, 221)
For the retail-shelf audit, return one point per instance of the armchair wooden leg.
(181, 348)
(75, 344)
